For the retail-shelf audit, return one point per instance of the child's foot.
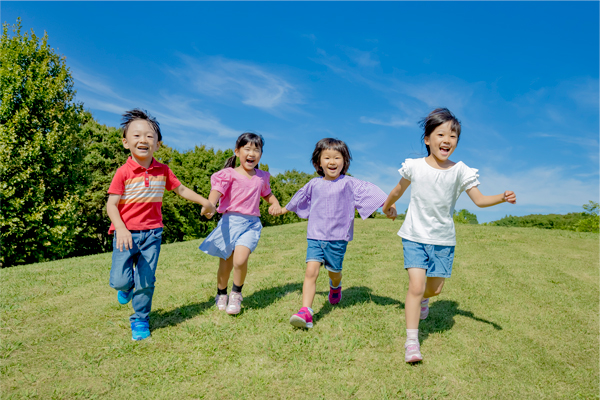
(335, 295)
(235, 303)
(303, 319)
(413, 352)
(140, 330)
(424, 308)
(125, 297)
(221, 301)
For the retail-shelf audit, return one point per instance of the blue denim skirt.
(233, 230)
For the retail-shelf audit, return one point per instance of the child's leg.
(336, 278)
(240, 264)
(417, 281)
(225, 267)
(310, 283)
(145, 274)
(433, 287)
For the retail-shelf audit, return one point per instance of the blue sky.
(521, 76)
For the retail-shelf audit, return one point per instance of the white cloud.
(394, 121)
(217, 77)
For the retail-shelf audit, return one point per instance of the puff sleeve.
(367, 198)
(406, 171)
(468, 178)
(221, 180)
(300, 202)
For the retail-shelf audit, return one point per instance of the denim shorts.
(328, 252)
(233, 230)
(437, 260)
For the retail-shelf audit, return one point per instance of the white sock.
(412, 335)
(331, 284)
(311, 311)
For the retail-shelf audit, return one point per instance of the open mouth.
(444, 151)
(143, 148)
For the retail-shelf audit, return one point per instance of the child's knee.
(121, 282)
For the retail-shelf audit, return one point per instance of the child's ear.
(125, 144)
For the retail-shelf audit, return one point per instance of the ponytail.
(230, 163)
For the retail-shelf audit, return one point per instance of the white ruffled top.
(433, 195)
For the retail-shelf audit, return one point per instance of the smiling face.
(249, 156)
(142, 141)
(332, 164)
(442, 143)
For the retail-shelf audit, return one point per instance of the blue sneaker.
(125, 297)
(140, 330)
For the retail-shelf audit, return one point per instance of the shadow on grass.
(441, 318)
(257, 300)
(355, 295)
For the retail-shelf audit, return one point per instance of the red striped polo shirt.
(141, 192)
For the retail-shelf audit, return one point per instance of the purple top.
(329, 206)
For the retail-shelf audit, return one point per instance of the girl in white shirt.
(428, 236)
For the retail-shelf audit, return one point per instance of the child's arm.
(189, 194)
(213, 198)
(393, 197)
(487, 201)
(275, 208)
(123, 234)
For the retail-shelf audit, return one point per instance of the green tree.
(40, 150)
(464, 217)
(284, 186)
(591, 221)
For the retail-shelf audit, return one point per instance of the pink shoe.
(424, 309)
(413, 352)
(302, 319)
(335, 295)
(235, 303)
(221, 301)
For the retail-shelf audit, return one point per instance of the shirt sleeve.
(367, 198)
(469, 178)
(172, 181)
(266, 187)
(221, 180)
(300, 202)
(117, 186)
(406, 171)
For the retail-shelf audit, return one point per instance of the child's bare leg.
(310, 283)
(336, 278)
(417, 281)
(225, 267)
(240, 264)
(433, 287)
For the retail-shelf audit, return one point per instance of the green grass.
(518, 320)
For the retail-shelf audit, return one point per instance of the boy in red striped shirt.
(134, 208)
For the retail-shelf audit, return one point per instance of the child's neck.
(145, 162)
(437, 163)
(244, 171)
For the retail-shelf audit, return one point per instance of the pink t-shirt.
(239, 193)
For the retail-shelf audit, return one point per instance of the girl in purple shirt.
(329, 203)
(238, 191)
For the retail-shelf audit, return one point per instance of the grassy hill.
(517, 320)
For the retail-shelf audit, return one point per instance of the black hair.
(242, 140)
(139, 114)
(436, 118)
(331, 144)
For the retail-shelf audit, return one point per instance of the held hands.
(208, 210)
(510, 197)
(276, 210)
(124, 239)
(391, 212)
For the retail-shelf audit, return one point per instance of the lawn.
(517, 320)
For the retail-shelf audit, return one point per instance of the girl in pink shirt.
(238, 191)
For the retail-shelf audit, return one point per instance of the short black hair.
(137, 114)
(331, 144)
(436, 118)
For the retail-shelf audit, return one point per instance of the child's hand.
(510, 197)
(391, 212)
(208, 210)
(275, 210)
(124, 239)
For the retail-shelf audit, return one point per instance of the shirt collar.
(135, 165)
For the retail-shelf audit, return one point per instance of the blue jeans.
(136, 267)
(435, 259)
(328, 252)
